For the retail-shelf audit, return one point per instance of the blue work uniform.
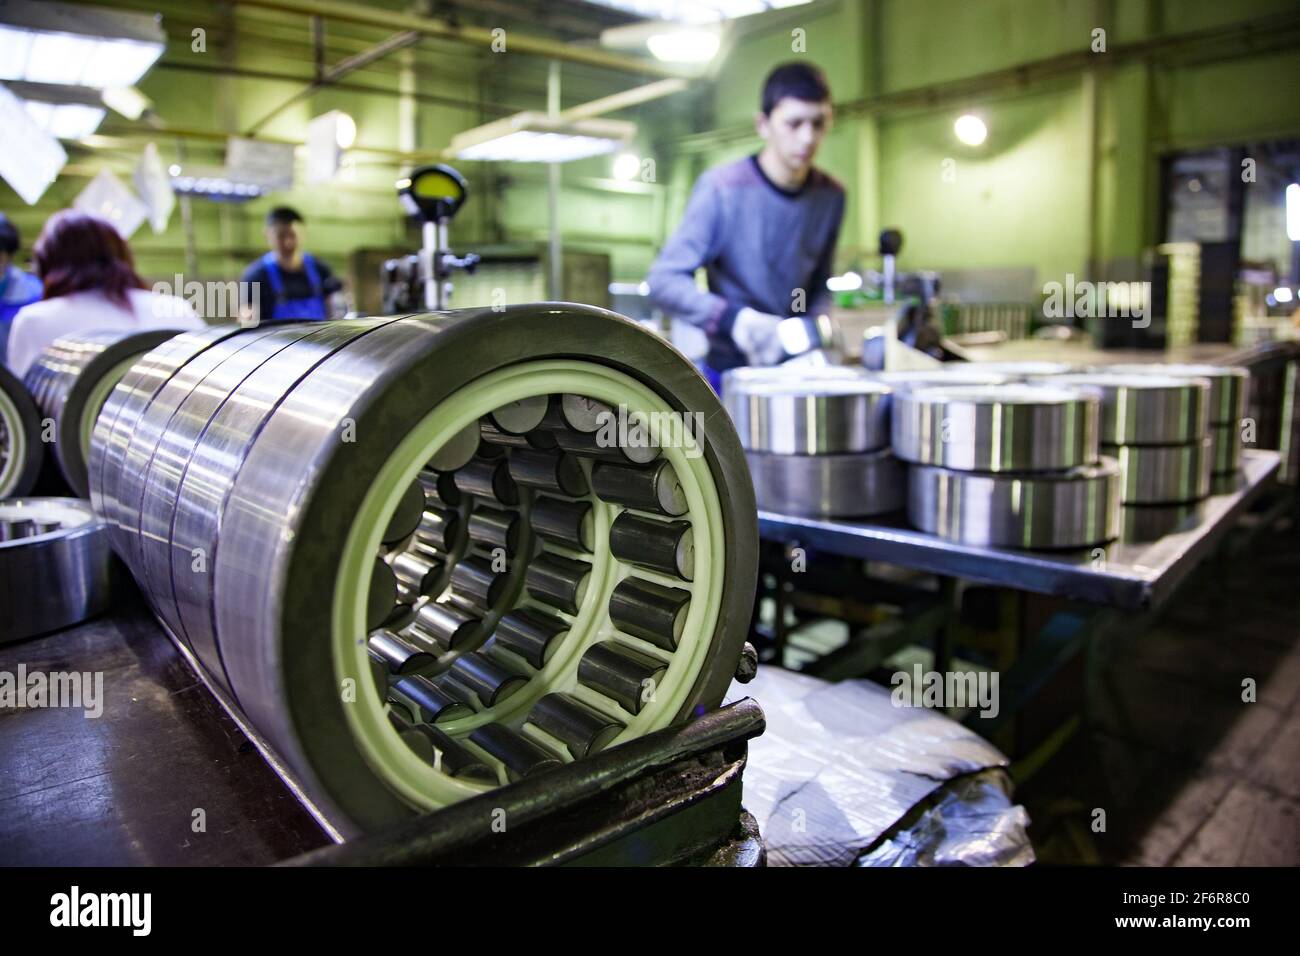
(284, 308)
(17, 289)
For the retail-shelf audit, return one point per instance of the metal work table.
(1128, 575)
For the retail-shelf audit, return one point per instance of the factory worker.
(90, 285)
(763, 228)
(287, 283)
(17, 288)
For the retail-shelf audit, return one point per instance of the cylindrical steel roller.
(560, 582)
(453, 757)
(531, 633)
(621, 673)
(426, 701)
(647, 487)
(549, 471)
(816, 417)
(1072, 509)
(446, 625)
(304, 444)
(489, 480)
(1006, 428)
(399, 655)
(829, 486)
(516, 418)
(1141, 409)
(495, 528)
(490, 681)
(581, 728)
(438, 529)
(605, 446)
(1163, 474)
(517, 753)
(21, 448)
(585, 414)
(667, 546)
(458, 450)
(55, 566)
(565, 522)
(537, 438)
(1225, 448)
(70, 381)
(1229, 385)
(650, 611)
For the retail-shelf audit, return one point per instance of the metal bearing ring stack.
(70, 381)
(425, 556)
(1227, 407)
(1006, 466)
(817, 440)
(1156, 426)
(21, 450)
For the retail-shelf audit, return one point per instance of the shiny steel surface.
(853, 485)
(1003, 428)
(1163, 474)
(1229, 385)
(1225, 448)
(21, 448)
(1024, 370)
(814, 417)
(1070, 509)
(54, 565)
(1139, 409)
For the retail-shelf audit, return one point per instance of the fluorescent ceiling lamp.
(535, 138)
(126, 100)
(696, 11)
(221, 183)
(684, 46)
(74, 45)
(626, 166)
(970, 129)
(65, 112)
(30, 157)
(1293, 212)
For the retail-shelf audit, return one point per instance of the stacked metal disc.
(1229, 386)
(1156, 426)
(1006, 465)
(817, 440)
(70, 380)
(21, 449)
(426, 556)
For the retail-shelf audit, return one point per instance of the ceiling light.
(535, 138)
(626, 166)
(126, 100)
(684, 46)
(75, 45)
(697, 11)
(65, 112)
(970, 129)
(31, 157)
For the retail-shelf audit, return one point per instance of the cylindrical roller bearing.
(70, 381)
(1008, 428)
(828, 486)
(21, 449)
(1139, 409)
(259, 541)
(55, 565)
(1163, 474)
(1072, 509)
(813, 417)
(1225, 448)
(1024, 370)
(1229, 385)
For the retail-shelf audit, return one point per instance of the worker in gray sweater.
(764, 229)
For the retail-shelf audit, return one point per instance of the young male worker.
(764, 229)
(287, 283)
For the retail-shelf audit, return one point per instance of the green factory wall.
(1025, 208)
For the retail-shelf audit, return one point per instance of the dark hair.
(76, 252)
(9, 241)
(799, 81)
(282, 216)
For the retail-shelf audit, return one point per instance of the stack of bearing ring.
(426, 556)
(71, 379)
(817, 440)
(21, 450)
(1229, 386)
(1006, 466)
(1156, 426)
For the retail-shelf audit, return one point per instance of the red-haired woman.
(90, 285)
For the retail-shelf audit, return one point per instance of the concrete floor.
(1186, 771)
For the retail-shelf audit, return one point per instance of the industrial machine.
(432, 195)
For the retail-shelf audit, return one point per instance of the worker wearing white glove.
(755, 334)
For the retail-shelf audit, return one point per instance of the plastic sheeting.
(840, 767)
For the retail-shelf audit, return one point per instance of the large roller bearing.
(21, 450)
(404, 549)
(70, 381)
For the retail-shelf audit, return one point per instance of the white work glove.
(755, 334)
